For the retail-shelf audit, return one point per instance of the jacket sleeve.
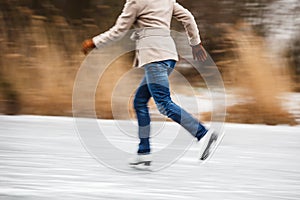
(189, 23)
(122, 25)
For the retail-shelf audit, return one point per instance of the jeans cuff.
(201, 134)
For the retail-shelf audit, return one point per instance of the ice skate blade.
(145, 163)
(142, 166)
(210, 146)
(207, 157)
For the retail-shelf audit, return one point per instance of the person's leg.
(158, 85)
(141, 99)
(140, 102)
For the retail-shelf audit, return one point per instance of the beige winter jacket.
(152, 18)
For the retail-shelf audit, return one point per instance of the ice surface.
(43, 158)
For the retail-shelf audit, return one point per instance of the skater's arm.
(122, 25)
(189, 23)
(191, 28)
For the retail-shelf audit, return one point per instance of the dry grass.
(107, 85)
(38, 74)
(263, 78)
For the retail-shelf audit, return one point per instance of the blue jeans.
(156, 84)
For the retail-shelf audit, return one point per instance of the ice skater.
(156, 53)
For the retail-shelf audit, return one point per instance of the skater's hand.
(199, 52)
(87, 46)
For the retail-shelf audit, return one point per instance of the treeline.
(40, 44)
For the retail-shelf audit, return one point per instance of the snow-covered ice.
(43, 158)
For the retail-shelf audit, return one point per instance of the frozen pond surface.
(42, 158)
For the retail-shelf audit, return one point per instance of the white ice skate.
(209, 144)
(145, 160)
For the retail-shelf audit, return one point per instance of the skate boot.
(141, 159)
(209, 144)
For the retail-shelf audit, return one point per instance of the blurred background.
(255, 44)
